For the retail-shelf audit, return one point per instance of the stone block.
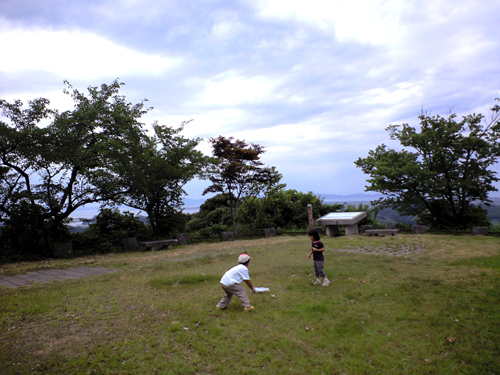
(227, 236)
(64, 250)
(418, 229)
(269, 232)
(363, 228)
(318, 229)
(332, 230)
(351, 230)
(183, 238)
(129, 244)
(480, 231)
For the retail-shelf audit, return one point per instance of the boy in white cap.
(231, 281)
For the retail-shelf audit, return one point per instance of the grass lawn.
(397, 305)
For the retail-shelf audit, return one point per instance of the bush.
(111, 227)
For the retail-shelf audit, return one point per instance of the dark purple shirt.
(318, 255)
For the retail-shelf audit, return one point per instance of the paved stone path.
(45, 276)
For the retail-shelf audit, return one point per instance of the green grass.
(434, 312)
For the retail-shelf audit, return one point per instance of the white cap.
(243, 258)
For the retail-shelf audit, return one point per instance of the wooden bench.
(384, 232)
(152, 245)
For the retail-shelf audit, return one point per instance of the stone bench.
(376, 232)
(152, 245)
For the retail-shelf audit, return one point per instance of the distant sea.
(193, 205)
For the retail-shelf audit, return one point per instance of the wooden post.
(310, 216)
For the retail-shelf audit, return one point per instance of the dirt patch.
(403, 250)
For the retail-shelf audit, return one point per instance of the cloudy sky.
(315, 82)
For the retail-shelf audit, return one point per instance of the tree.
(287, 209)
(110, 227)
(261, 191)
(448, 171)
(155, 180)
(213, 217)
(238, 171)
(51, 163)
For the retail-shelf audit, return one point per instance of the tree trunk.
(233, 206)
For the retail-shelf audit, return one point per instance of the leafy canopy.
(238, 172)
(52, 163)
(155, 180)
(443, 169)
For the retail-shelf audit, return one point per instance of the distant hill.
(389, 215)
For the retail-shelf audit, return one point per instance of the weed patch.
(434, 311)
(187, 279)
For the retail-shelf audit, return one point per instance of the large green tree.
(238, 171)
(442, 170)
(255, 202)
(52, 163)
(155, 179)
(287, 209)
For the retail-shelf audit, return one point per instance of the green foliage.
(287, 209)
(52, 163)
(214, 211)
(155, 180)
(17, 236)
(110, 227)
(446, 173)
(238, 172)
(213, 218)
(284, 209)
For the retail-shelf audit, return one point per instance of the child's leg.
(316, 270)
(224, 302)
(326, 282)
(316, 273)
(239, 291)
(318, 266)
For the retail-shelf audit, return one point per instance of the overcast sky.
(315, 82)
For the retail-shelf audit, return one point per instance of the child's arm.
(250, 285)
(314, 249)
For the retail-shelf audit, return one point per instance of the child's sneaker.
(317, 282)
(219, 308)
(247, 309)
(326, 282)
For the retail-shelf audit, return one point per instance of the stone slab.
(341, 218)
(44, 276)
(227, 236)
(480, 231)
(269, 232)
(376, 232)
(183, 238)
(129, 244)
(418, 229)
(152, 245)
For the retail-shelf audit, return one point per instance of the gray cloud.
(316, 96)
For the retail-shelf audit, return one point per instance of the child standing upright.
(317, 249)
